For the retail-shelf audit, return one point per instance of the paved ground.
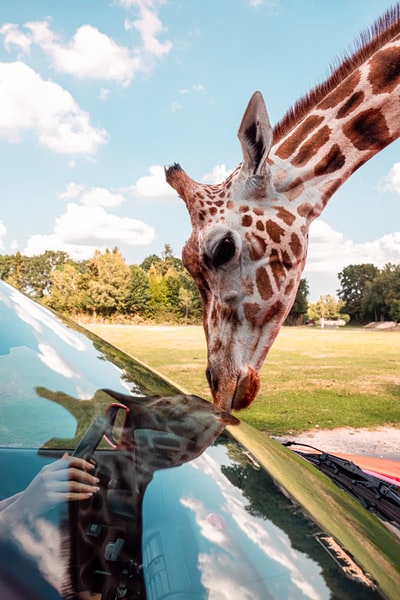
(382, 442)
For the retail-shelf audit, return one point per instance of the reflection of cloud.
(53, 360)
(44, 546)
(207, 526)
(219, 580)
(36, 316)
(283, 563)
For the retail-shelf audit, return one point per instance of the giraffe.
(249, 237)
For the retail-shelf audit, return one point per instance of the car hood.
(194, 503)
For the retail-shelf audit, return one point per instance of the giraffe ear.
(255, 136)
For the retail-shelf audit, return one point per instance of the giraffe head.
(246, 254)
(249, 240)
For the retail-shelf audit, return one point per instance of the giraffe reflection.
(99, 548)
(249, 241)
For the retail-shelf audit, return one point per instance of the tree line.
(160, 289)
(105, 287)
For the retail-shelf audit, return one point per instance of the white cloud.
(38, 244)
(83, 229)
(218, 174)
(174, 106)
(14, 37)
(95, 196)
(329, 251)
(392, 179)
(92, 54)
(153, 185)
(30, 103)
(92, 225)
(73, 190)
(267, 3)
(149, 26)
(103, 94)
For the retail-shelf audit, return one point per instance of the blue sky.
(97, 96)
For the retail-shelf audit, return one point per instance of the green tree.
(395, 310)
(381, 295)
(149, 261)
(163, 263)
(67, 292)
(38, 269)
(300, 305)
(6, 265)
(138, 294)
(327, 307)
(108, 282)
(354, 281)
(159, 294)
(186, 301)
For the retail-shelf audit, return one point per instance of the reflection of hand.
(65, 480)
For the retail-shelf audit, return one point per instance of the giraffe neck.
(344, 122)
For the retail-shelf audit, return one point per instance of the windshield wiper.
(377, 496)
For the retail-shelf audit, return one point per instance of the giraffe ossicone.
(249, 237)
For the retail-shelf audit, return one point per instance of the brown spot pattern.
(274, 231)
(290, 145)
(350, 105)
(310, 148)
(257, 247)
(294, 189)
(384, 75)
(247, 220)
(304, 209)
(285, 215)
(296, 246)
(368, 130)
(279, 273)
(263, 283)
(260, 226)
(343, 91)
(329, 189)
(275, 309)
(332, 162)
(251, 310)
(289, 287)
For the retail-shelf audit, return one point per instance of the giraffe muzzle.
(233, 393)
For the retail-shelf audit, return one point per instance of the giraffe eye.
(224, 251)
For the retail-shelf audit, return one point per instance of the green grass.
(312, 377)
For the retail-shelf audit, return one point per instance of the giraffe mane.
(369, 41)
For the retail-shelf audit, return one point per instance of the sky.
(97, 96)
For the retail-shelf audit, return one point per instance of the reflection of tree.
(141, 378)
(267, 502)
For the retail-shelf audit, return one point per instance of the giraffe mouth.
(247, 388)
(234, 393)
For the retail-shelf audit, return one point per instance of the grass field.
(312, 377)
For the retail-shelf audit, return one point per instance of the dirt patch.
(382, 442)
(383, 326)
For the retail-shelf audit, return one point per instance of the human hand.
(64, 480)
